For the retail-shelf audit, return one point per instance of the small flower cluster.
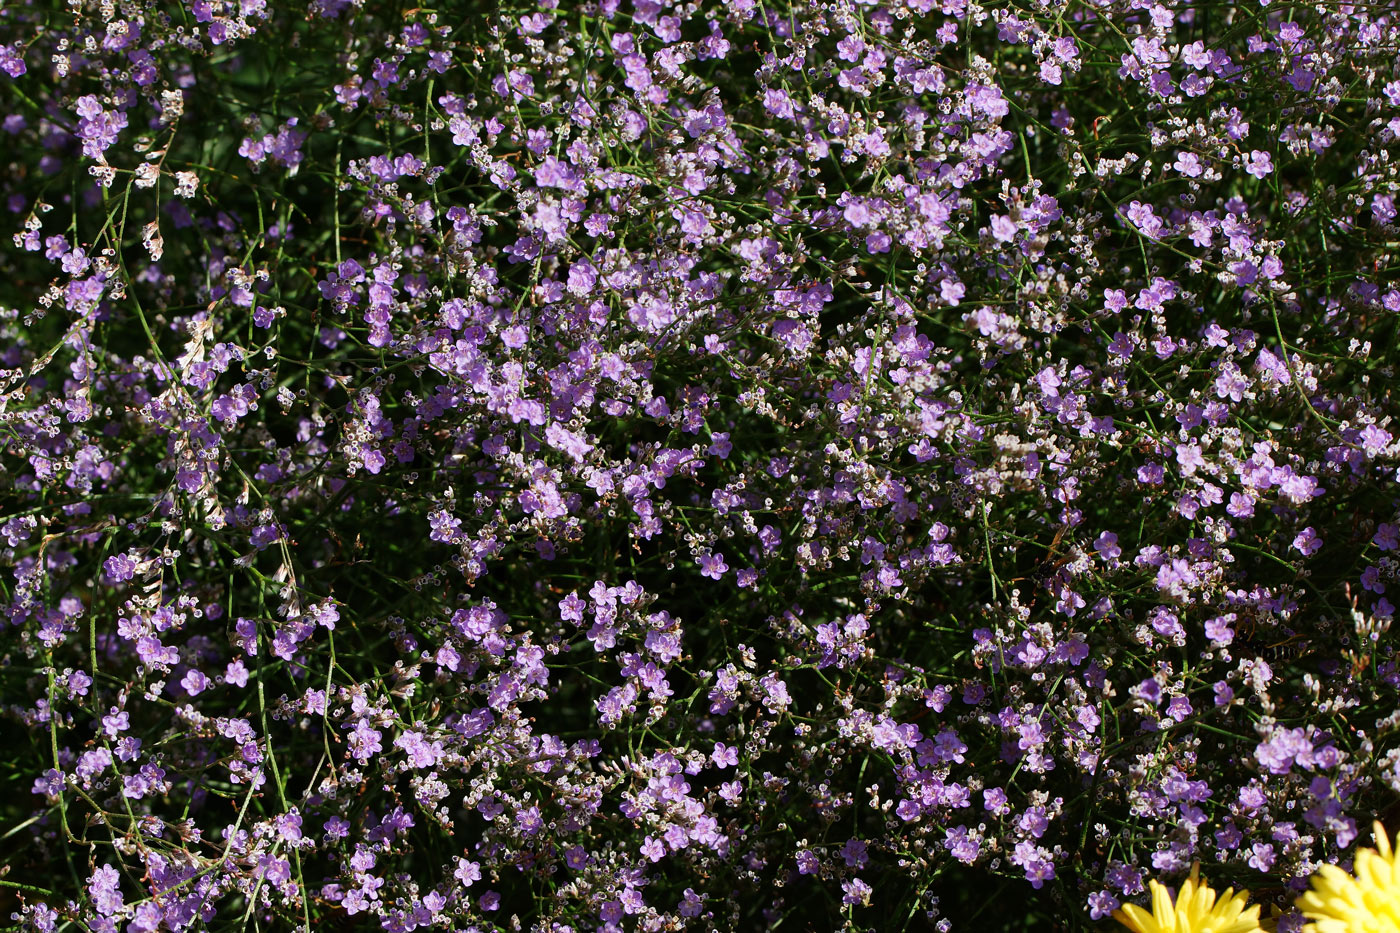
(647, 465)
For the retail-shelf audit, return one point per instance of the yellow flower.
(1196, 910)
(1368, 902)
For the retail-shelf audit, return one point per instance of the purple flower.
(364, 742)
(420, 752)
(712, 566)
(1387, 536)
(1106, 545)
(120, 568)
(995, 801)
(115, 723)
(1149, 690)
(1375, 439)
(146, 919)
(1218, 630)
(1190, 458)
(1179, 708)
(1261, 857)
(1102, 904)
(11, 62)
(1283, 749)
(1151, 474)
(574, 445)
(1003, 228)
(1307, 542)
(1189, 165)
(444, 526)
(856, 892)
(194, 682)
(468, 872)
(724, 756)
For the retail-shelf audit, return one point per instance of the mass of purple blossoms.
(634, 465)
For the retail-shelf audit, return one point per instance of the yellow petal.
(1135, 918)
(1162, 910)
(1246, 922)
(1199, 908)
(1231, 905)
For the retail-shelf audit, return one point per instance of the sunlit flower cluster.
(648, 465)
